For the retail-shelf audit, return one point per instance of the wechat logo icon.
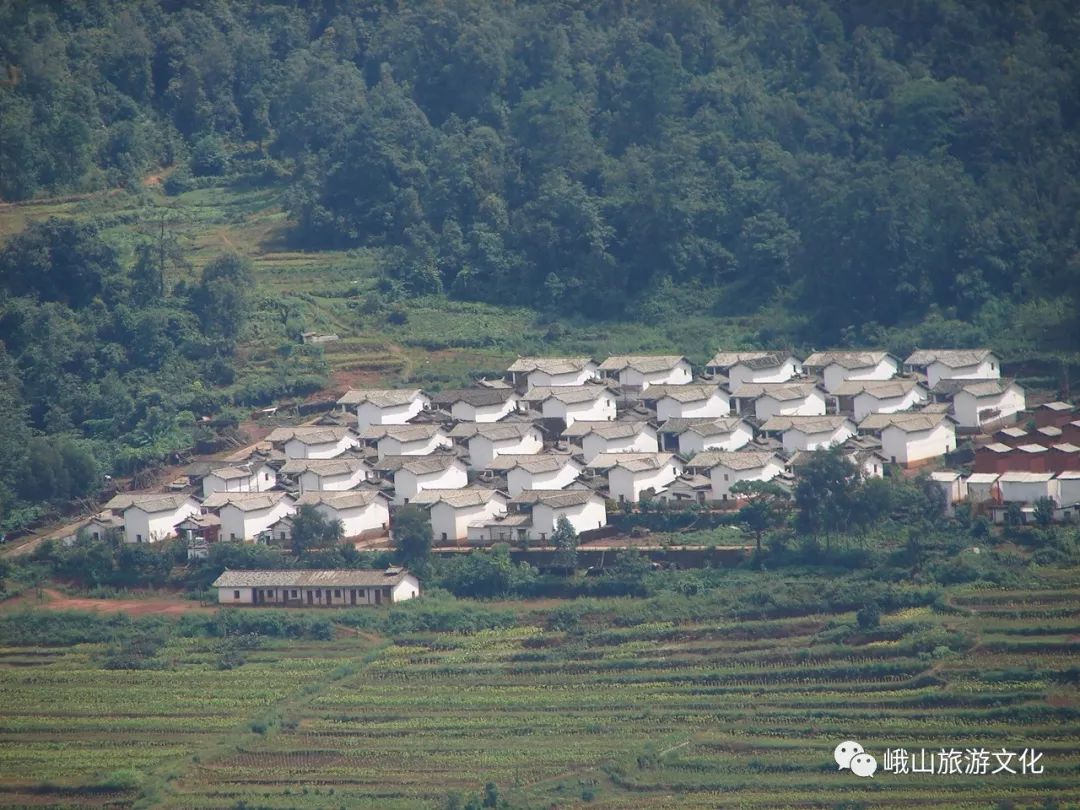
(850, 755)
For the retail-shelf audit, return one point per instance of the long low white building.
(315, 588)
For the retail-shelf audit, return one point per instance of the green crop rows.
(669, 713)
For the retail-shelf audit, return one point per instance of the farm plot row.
(691, 715)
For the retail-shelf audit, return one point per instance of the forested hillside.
(830, 173)
(864, 160)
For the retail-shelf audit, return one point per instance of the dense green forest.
(867, 166)
(866, 160)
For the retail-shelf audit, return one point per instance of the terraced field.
(667, 713)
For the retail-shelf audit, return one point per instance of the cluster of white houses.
(565, 436)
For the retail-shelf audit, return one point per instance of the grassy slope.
(443, 341)
(687, 713)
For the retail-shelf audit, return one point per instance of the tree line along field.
(708, 700)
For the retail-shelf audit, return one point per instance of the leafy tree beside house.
(311, 530)
(766, 509)
(824, 496)
(411, 535)
(565, 540)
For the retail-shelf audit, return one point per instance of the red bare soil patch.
(132, 607)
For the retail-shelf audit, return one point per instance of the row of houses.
(995, 493)
(562, 437)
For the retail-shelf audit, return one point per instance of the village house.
(860, 398)
(1012, 436)
(153, 518)
(837, 367)
(1028, 487)
(992, 458)
(313, 441)
(530, 372)
(765, 400)
(982, 488)
(953, 487)
(452, 511)
(384, 406)
(977, 403)
(867, 460)
(413, 474)
(741, 368)
(728, 433)
(641, 371)
(485, 441)
(724, 470)
(257, 477)
(686, 401)
(361, 512)
(593, 403)
(200, 528)
(1063, 457)
(1054, 414)
(312, 588)
(478, 404)
(534, 514)
(1068, 483)
(911, 438)
(809, 432)
(688, 487)
(595, 438)
(953, 364)
(330, 474)
(540, 471)
(407, 440)
(634, 474)
(103, 525)
(248, 516)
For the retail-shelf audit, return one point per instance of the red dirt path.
(55, 600)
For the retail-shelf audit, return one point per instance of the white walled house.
(384, 406)
(534, 514)
(592, 403)
(686, 401)
(485, 441)
(641, 371)
(982, 487)
(724, 470)
(407, 440)
(727, 433)
(954, 364)
(530, 372)
(595, 438)
(246, 516)
(153, 518)
(860, 398)
(810, 432)
(314, 441)
(909, 438)
(953, 487)
(1028, 487)
(249, 478)
(540, 471)
(837, 367)
(413, 474)
(453, 510)
(329, 474)
(981, 402)
(360, 511)
(629, 478)
(480, 404)
(311, 588)
(1068, 483)
(753, 367)
(762, 401)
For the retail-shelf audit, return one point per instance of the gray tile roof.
(691, 392)
(645, 363)
(953, 358)
(477, 397)
(905, 421)
(781, 392)
(603, 461)
(608, 430)
(457, 498)
(418, 465)
(246, 501)
(342, 465)
(738, 460)
(381, 397)
(343, 499)
(556, 498)
(805, 424)
(154, 504)
(342, 578)
(846, 359)
(881, 389)
(568, 394)
(754, 360)
(550, 365)
(541, 462)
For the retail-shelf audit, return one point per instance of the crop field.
(596, 707)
